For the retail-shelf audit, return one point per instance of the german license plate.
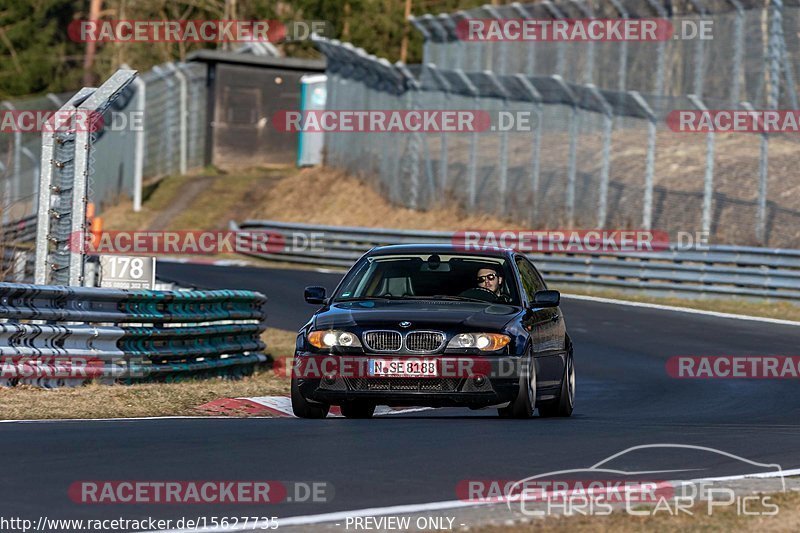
(403, 368)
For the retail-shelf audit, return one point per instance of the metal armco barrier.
(717, 270)
(111, 335)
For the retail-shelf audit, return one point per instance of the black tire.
(303, 408)
(358, 409)
(563, 405)
(524, 404)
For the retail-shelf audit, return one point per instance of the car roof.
(448, 249)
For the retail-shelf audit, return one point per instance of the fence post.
(608, 125)
(588, 73)
(426, 38)
(699, 53)
(708, 188)
(556, 13)
(773, 57)
(445, 89)
(622, 73)
(647, 208)
(738, 51)
(536, 98)
(11, 185)
(472, 170)
(138, 157)
(572, 163)
(183, 117)
(660, 59)
(501, 45)
(530, 59)
(503, 178)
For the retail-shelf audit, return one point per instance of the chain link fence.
(591, 158)
(729, 65)
(155, 127)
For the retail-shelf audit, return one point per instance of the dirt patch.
(327, 196)
(186, 195)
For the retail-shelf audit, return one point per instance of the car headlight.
(332, 337)
(486, 342)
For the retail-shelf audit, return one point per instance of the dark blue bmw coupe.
(435, 325)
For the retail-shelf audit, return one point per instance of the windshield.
(409, 277)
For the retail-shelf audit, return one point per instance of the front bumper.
(494, 382)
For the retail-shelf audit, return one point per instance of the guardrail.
(77, 334)
(717, 270)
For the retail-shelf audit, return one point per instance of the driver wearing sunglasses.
(490, 279)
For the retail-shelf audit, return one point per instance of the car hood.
(423, 314)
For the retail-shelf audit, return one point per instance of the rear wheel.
(525, 403)
(358, 409)
(302, 408)
(562, 406)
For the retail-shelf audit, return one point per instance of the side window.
(542, 286)
(531, 282)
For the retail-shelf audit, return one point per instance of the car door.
(544, 326)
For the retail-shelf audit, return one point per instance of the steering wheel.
(480, 293)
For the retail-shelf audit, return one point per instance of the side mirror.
(315, 295)
(546, 299)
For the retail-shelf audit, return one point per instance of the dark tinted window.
(531, 282)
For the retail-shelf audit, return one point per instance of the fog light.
(479, 381)
(330, 379)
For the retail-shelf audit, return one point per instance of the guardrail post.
(48, 193)
(97, 103)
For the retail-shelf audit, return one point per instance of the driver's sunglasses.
(490, 277)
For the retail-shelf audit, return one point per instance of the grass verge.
(26, 402)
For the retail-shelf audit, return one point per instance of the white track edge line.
(687, 310)
(423, 507)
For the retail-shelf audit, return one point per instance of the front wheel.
(562, 406)
(302, 408)
(525, 403)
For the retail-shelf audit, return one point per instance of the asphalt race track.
(624, 398)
